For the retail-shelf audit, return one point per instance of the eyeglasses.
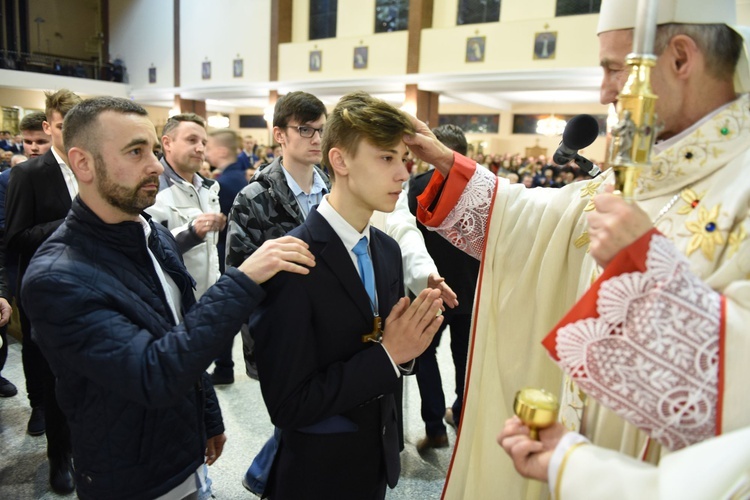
(305, 131)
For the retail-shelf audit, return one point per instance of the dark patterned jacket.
(265, 209)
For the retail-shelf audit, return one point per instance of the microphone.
(580, 132)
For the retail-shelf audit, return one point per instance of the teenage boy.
(275, 201)
(329, 366)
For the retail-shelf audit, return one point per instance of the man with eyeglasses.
(277, 200)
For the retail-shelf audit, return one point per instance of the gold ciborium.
(536, 408)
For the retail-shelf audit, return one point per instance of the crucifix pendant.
(377, 331)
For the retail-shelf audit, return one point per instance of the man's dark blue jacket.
(131, 383)
(231, 181)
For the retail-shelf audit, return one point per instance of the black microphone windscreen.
(580, 132)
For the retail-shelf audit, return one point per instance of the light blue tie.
(366, 271)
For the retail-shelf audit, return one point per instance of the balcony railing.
(55, 65)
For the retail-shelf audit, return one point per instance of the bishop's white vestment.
(663, 342)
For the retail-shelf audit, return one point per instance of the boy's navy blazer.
(330, 393)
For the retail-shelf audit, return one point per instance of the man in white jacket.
(187, 203)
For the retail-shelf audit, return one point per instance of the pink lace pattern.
(652, 355)
(466, 225)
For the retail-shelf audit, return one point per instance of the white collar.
(59, 159)
(663, 145)
(349, 236)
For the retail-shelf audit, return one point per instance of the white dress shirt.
(174, 299)
(70, 179)
(350, 237)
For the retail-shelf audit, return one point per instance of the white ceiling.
(493, 91)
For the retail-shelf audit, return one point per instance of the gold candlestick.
(536, 408)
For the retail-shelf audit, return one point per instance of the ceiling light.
(218, 121)
(550, 125)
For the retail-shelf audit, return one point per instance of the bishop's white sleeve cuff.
(569, 440)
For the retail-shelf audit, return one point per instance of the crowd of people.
(530, 171)
(132, 274)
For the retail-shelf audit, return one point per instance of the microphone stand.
(634, 134)
(587, 166)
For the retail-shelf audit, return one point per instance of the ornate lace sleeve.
(652, 352)
(466, 224)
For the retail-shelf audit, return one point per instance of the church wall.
(510, 45)
(386, 56)
(221, 32)
(141, 35)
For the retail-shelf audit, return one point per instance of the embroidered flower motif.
(706, 235)
(692, 199)
(735, 238)
(466, 224)
(590, 206)
(582, 240)
(650, 355)
(590, 189)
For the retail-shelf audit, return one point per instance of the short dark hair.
(61, 101)
(360, 116)
(81, 122)
(453, 137)
(174, 122)
(33, 122)
(301, 106)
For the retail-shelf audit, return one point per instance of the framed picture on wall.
(152, 75)
(545, 44)
(316, 60)
(237, 68)
(206, 70)
(475, 49)
(360, 57)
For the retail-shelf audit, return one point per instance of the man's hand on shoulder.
(409, 328)
(281, 254)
